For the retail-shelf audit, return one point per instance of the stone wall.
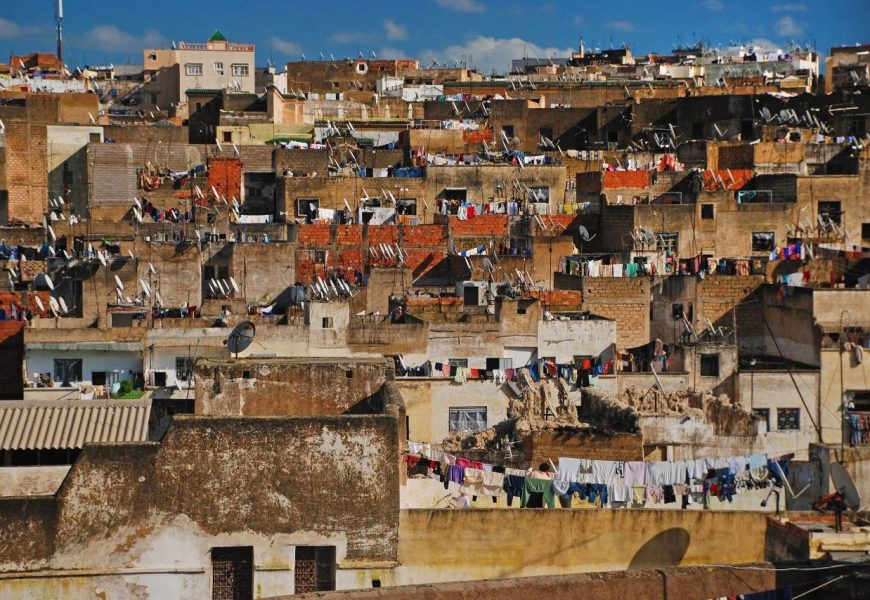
(623, 299)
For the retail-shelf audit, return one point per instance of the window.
(458, 362)
(458, 194)
(546, 132)
(857, 127)
(865, 231)
(788, 419)
(612, 137)
(508, 131)
(499, 363)
(406, 206)
(709, 365)
(314, 569)
(232, 573)
(336, 84)
(183, 368)
(240, 70)
(210, 272)
(327, 323)
(667, 241)
(219, 68)
(707, 211)
(304, 206)
(764, 413)
(228, 136)
(67, 369)
(320, 257)
(98, 377)
(747, 130)
(193, 69)
(154, 99)
(860, 398)
(680, 311)
(698, 130)
(539, 194)
(830, 209)
(94, 138)
(763, 241)
(471, 418)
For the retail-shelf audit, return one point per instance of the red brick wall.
(483, 225)
(317, 235)
(225, 174)
(423, 236)
(626, 179)
(741, 178)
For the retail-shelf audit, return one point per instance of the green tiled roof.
(217, 36)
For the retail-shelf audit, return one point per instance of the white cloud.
(714, 5)
(391, 53)
(789, 8)
(620, 25)
(111, 39)
(350, 38)
(787, 26)
(488, 53)
(285, 46)
(10, 29)
(394, 31)
(466, 6)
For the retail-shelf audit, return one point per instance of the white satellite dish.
(119, 282)
(101, 258)
(234, 284)
(39, 303)
(48, 282)
(63, 305)
(159, 299)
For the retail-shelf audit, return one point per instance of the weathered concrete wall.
(772, 390)
(428, 403)
(142, 519)
(563, 340)
(840, 373)
(295, 387)
(31, 481)
(437, 546)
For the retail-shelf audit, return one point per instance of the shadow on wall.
(665, 549)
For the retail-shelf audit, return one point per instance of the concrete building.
(216, 64)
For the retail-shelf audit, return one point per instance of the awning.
(70, 424)
(84, 346)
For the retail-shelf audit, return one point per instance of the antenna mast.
(58, 17)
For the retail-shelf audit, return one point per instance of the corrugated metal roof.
(67, 424)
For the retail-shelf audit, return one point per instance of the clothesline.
(605, 483)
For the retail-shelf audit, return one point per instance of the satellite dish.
(843, 483)
(119, 282)
(39, 304)
(584, 233)
(240, 337)
(63, 305)
(48, 282)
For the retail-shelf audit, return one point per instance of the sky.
(486, 34)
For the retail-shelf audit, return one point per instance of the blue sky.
(486, 32)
